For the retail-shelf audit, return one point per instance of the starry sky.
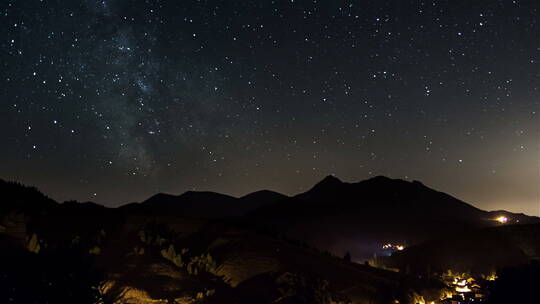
(115, 100)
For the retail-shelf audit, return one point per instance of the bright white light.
(502, 219)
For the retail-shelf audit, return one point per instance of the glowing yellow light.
(463, 289)
(447, 295)
(393, 247)
(502, 219)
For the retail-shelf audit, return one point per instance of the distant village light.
(391, 247)
(502, 219)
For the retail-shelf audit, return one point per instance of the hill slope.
(482, 251)
(361, 217)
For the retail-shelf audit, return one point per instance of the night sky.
(115, 100)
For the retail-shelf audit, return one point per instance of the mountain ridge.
(332, 215)
(325, 187)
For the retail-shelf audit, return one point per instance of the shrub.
(33, 244)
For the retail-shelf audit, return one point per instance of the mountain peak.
(330, 180)
(328, 183)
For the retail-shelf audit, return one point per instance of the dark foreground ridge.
(265, 247)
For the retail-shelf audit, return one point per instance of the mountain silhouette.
(192, 203)
(17, 197)
(363, 216)
(333, 215)
(158, 250)
(237, 250)
(203, 204)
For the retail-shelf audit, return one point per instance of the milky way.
(112, 101)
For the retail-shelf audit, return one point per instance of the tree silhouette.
(347, 257)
